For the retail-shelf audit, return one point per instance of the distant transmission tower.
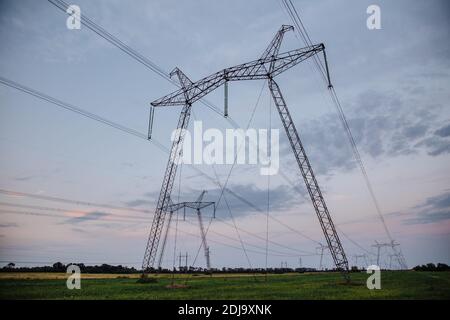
(197, 206)
(360, 256)
(392, 245)
(321, 248)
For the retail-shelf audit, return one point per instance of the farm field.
(394, 285)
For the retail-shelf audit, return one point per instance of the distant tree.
(432, 267)
(59, 267)
(442, 267)
(10, 265)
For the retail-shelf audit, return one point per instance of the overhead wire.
(23, 206)
(292, 12)
(15, 193)
(145, 61)
(119, 44)
(148, 63)
(122, 128)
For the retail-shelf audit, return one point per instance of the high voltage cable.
(75, 109)
(234, 247)
(148, 63)
(122, 220)
(23, 206)
(130, 51)
(354, 242)
(65, 200)
(85, 263)
(264, 239)
(253, 245)
(40, 214)
(133, 53)
(229, 174)
(292, 12)
(114, 125)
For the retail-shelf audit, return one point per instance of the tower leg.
(163, 246)
(166, 189)
(328, 228)
(205, 244)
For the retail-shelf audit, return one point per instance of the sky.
(393, 84)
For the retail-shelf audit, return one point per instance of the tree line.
(120, 269)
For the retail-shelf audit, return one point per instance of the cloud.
(435, 145)
(9, 225)
(128, 164)
(138, 202)
(147, 199)
(433, 209)
(26, 178)
(90, 216)
(246, 199)
(384, 124)
(443, 132)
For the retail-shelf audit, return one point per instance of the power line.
(7, 204)
(70, 107)
(292, 12)
(300, 252)
(96, 218)
(146, 62)
(130, 51)
(65, 200)
(264, 239)
(115, 125)
(235, 247)
(85, 263)
(354, 242)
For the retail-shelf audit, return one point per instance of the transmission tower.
(321, 248)
(391, 256)
(180, 258)
(270, 65)
(197, 206)
(392, 244)
(360, 256)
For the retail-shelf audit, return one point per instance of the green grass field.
(394, 285)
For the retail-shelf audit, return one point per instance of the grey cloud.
(246, 199)
(138, 202)
(435, 145)
(439, 202)
(90, 216)
(128, 164)
(26, 178)
(433, 209)
(9, 225)
(147, 199)
(79, 230)
(382, 124)
(414, 131)
(443, 132)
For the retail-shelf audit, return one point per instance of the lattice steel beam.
(271, 64)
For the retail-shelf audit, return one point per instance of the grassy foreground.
(394, 285)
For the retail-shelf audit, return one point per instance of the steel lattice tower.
(271, 64)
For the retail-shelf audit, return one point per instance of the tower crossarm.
(264, 68)
(191, 205)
